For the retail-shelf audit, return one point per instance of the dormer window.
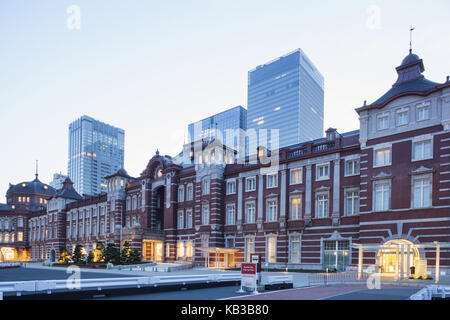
(383, 121)
(423, 112)
(402, 117)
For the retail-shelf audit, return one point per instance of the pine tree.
(111, 254)
(77, 255)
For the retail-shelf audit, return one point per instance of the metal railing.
(335, 278)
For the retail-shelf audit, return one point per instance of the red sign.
(248, 268)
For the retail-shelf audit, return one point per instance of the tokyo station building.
(384, 186)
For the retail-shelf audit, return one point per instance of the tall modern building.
(286, 94)
(96, 150)
(58, 180)
(234, 118)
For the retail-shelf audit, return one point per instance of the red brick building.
(386, 184)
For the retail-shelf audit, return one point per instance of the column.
(396, 263)
(438, 258)
(308, 192)
(336, 191)
(408, 257)
(240, 197)
(402, 262)
(283, 196)
(360, 261)
(260, 198)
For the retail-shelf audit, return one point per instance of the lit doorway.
(153, 250)
(388, 260)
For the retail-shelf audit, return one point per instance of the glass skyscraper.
(96, 150)
(234, 118)
(286, 94)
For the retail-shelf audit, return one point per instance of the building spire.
(37, 174)
(411, 29)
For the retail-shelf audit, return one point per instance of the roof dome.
(31, 187)
(410, 58)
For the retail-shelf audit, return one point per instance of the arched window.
(189, 249)
(180, 249)
(128, 203)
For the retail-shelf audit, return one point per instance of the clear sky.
(152, 67)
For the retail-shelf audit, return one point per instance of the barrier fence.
(336, 278)
(49, 286)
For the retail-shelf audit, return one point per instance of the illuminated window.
(271, 249)
(296, 207)
(249, 248)
(296, 176)
(180, 249)
(382, 157)
(189, 250)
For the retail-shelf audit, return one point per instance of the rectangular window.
(294, 249)
(189, 218)
(296, 207)
(351, 203)
(19, 236)
(322, 205)
(422, 192)
(231, 187)
(189, 192)
(422, 150)
(250, 211)
(206, 186)
(402, 118)
(382, 196)
(382, 122)
(382, 157)
(229, 243)
(205, 214)
(180, 194)
(272, 180)
(19, 222)
(231, 214)
(180, 219)
(296, 176)
(271, 210)
(271, 249)
(250, 184)
(423, 112)
(351, 167)
(322, 172)
(249, 248)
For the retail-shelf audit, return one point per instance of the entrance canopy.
(401, 255)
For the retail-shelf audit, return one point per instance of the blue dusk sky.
(152, 67)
